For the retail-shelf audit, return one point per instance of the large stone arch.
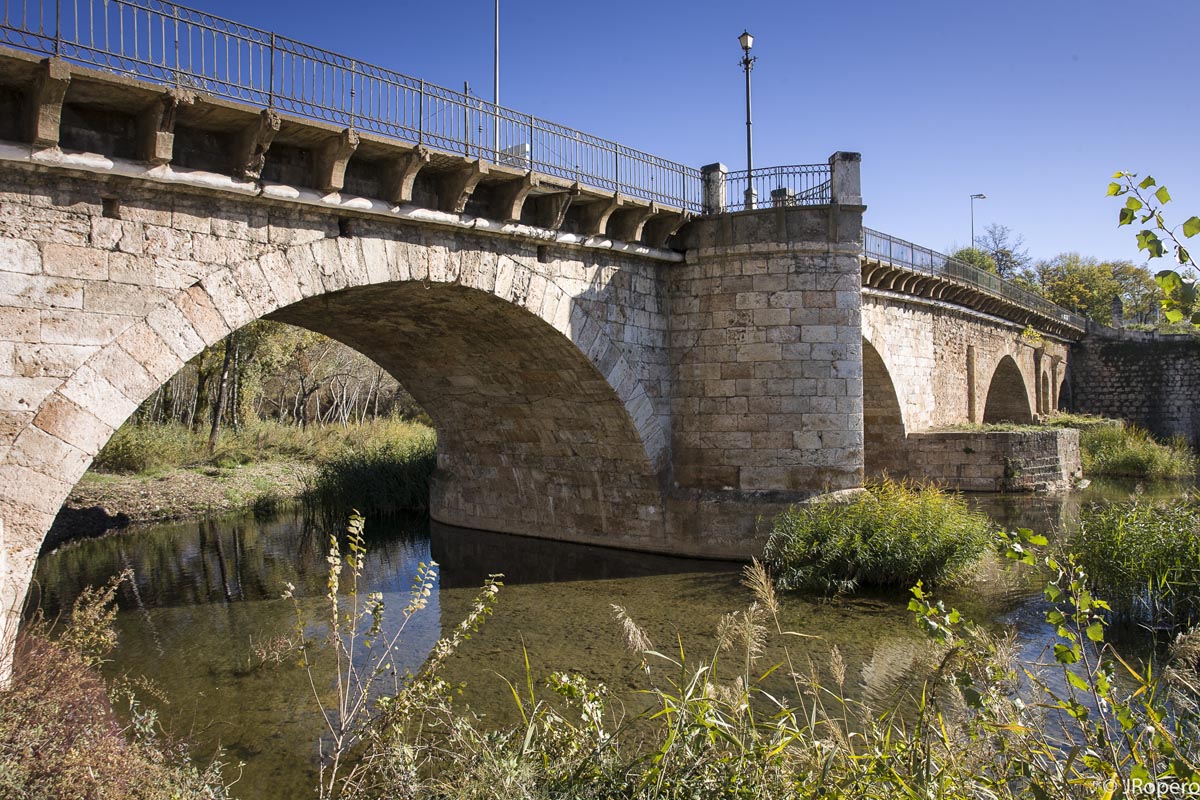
(545, 426)
(1007, 395)
(883, 419)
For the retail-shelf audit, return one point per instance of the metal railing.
(796, 185)
(179, 46)
(899, 252)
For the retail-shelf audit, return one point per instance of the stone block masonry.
(997, 461)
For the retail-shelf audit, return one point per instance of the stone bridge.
(601, 367)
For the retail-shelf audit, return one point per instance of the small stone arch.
(1007, 396)
(883, 420)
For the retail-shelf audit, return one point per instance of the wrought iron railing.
(796, 185)
(179, 46)
(898, 252)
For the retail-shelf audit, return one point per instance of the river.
(206, 595)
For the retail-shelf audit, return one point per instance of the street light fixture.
(747, 62)
(974, 197)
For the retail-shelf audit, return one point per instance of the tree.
(1007, 249)
(1180, 288)
(1088, 285)
(976, 258)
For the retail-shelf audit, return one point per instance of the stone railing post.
(713, 178)
(845, 179)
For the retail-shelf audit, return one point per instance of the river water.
(207, 595)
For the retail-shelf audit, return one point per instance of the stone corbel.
(552, 208)
(455, 188)
(156, 126)
(510, 198)
(400, 175)
(250, 150)
(330, 160)
(663, 226)
(627, 224)
(594, 216)
(45, 108)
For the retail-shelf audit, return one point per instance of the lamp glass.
(747, 41)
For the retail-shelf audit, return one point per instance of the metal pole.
(747, 41)
(496, 85)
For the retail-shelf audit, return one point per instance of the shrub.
(892, 535)
(1145, 558)
(147, 448)
(1129, 451)
(60, 737)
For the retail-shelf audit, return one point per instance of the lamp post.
(747, 62)
(496, 84)
(974, 197)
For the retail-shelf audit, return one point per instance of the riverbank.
(103, 501)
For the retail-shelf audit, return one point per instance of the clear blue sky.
(1032, 102)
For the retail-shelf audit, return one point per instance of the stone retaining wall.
(997, 461)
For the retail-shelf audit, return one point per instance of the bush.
(891, 536)
(1145, 558)
(148, 448)
(60, 737)
(1129, 451)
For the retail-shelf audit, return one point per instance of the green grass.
(1144, 557)
(147, 449)
(891, 536)
(377, 478)
(1129, 451)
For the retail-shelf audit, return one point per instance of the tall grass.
(381, 477)
(1129, 451)
(1145, 557)
(893, 535)
(150, 448)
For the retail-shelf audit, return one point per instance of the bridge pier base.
(766, 353)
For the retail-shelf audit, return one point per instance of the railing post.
(531, 127)
(712, 179)
(271, 84)
(845, 185)
(421, 112)
(58, 27)
(616, 167)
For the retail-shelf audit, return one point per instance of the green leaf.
(1168, 280)
(1119, 175)
(1133, 204)
(1064, 654)
(1191, 227)
(1114, 189)
(1076, 681)
(1146, 183)
(1126, 217)
(1183, 255)
(1172, 314)
(1163, 195)
(1095, 632)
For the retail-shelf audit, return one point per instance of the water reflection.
(206, 593)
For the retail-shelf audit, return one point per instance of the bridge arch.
(1007, 395)
(534, 402)
(883, 419)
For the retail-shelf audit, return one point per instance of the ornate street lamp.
(747, 62)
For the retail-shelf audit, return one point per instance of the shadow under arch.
(532, 438)
(1007, 397)
(883, 421)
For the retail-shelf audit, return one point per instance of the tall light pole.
(747, 62)
(974, 197)
(496, 85)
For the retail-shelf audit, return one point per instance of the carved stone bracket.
(551, 209)
(594, 216)
(156, 126)
(250, 150)
(455, 188)
(45, 108)
(330, 160)
(627, 223)
(400, 175)
(662, 227)
(510, 198)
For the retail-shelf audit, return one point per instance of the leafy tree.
(976, 258)
(1180, 290)
(1088, 285)
(1007, 249)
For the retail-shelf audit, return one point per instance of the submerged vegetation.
(892, 535)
